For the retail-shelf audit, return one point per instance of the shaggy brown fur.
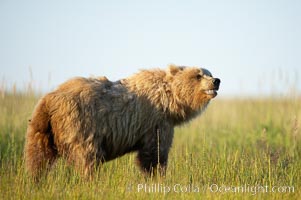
(92, 120)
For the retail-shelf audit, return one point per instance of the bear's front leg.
(153, 155)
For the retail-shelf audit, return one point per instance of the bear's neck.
(155, 88)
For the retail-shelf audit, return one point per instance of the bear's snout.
(216, 83)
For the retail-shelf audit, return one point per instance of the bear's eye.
(199, 77)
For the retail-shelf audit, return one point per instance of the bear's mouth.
(210, 92)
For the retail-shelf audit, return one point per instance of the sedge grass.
(235, 150)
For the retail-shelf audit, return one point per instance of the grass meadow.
(240, 148)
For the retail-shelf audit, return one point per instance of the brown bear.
(92, 120)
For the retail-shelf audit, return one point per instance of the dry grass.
(244, 143)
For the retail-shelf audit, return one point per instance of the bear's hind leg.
(40, 153)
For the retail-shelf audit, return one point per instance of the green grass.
(235, 143)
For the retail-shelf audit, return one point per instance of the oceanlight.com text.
(253, 190)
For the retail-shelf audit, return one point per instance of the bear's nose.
(216, 82)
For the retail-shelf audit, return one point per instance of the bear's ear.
(173, 69)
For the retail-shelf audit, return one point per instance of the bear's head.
(192, 87)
